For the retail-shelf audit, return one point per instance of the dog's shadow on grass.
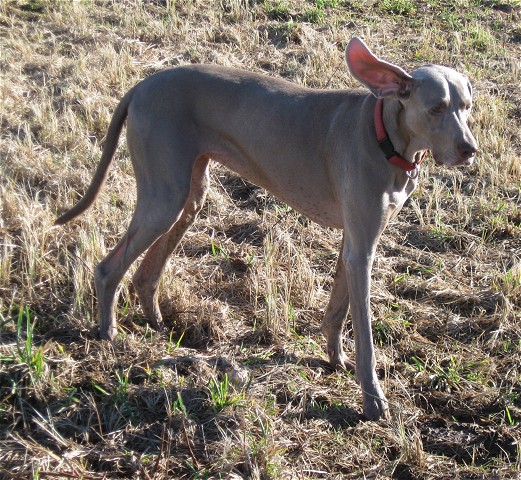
(320, 406)
(308, 404)
(339, 416)
(294, 405)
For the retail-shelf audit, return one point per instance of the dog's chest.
(397, 197)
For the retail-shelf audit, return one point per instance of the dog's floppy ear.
(382, 78)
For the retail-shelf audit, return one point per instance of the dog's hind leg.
(163, 175)
(146, 279)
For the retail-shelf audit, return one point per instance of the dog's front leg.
(333, 321)
(358, 269)
(361, 235)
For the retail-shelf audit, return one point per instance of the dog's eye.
(438, 109)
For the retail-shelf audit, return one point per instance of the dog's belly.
(309, 195)
(325, 213)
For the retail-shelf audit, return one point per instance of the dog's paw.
(344, 363)
(108, 333)
(156, 323)
(339, 361)
(376, 405)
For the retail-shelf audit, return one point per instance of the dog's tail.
(113, 133)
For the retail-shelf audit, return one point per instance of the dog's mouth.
(463, 161)
(467, 161)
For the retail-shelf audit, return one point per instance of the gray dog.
(345, 159)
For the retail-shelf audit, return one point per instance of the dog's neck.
(398, 132)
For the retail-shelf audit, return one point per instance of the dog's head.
(436, 103)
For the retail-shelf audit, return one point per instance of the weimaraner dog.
(345, 159)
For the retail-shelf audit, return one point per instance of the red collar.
(386, 144)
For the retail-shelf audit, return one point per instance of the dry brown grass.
(239, 387)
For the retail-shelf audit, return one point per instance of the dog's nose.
(466, 150)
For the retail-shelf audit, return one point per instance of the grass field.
(238, 386)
